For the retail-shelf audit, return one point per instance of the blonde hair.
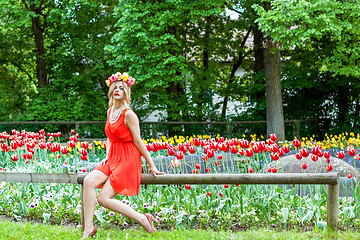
(127, 92)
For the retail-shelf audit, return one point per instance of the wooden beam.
(247, 178)
(39, 177)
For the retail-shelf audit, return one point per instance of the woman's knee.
(89, 181)
(101, 200)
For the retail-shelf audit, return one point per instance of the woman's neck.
(118, 105)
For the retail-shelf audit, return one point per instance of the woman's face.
(118, 92)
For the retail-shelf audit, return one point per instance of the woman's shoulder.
(130, 114)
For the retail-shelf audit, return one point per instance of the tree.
(305, 23)
(326, 32)
(172, 48)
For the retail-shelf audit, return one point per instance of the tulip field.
(225, 207)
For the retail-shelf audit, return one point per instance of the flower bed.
(218, 207)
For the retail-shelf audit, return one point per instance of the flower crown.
(118, 76)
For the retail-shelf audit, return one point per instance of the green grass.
(27, 230)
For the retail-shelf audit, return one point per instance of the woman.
(120, 171)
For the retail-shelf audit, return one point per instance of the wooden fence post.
(333, 204)
(82, 206)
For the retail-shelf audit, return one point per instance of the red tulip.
(286, 149)
(304, 152)
(179, 155)
(171, 151)
(351, 151)
(196, 142)
(241, 152)
(269, 169)
(255, 148)
(223, 147)
(42, 145)
(341, 155)
(233, 149)
(187, 186)
(298, 156)
(250, 170)
(85, 145)
(83, 157)
(269, 142)
(304, 165)
(314, 157)
(329, 167)
(244, 143)
(13, 144)
(19, 143)
(234, 142)
(191, 149)
(208, 193)
(274, 148)
(205, 158)
(71, 143)
(83, 152)
(64, 150)
(194, 171)
(219, 156)
(180, 147)
(248, 152)
(220, 194)
(274, 169)
(314, 150)
(349, 175)
(296, 143)
(210, 153)
(14, 157)
(208, 170)
(274, 156)
(273, 137)
(72, 131)
(164, 145)
(281, 152)
(226, 186)
(197, 166)
(83, 169)
(220, 139)
(327, 154)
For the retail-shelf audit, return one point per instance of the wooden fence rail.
(331, 179)
(153, 124)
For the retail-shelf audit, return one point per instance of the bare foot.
(90, 232)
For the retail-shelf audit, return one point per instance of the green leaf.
(99, 216)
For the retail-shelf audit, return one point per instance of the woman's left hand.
(155, 171)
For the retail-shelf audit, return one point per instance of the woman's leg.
(91, 181)
(106, 199)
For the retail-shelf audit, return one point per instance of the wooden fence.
(153, 124)
(331, 179)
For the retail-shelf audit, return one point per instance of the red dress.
(123, 165)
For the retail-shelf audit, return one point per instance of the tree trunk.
(272, 71)
(39, 47)
(259, 50)
(274, 106)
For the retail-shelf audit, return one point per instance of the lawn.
(31, 230)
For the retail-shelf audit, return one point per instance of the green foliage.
(308, 22)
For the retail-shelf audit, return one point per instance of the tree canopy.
(55, 57)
